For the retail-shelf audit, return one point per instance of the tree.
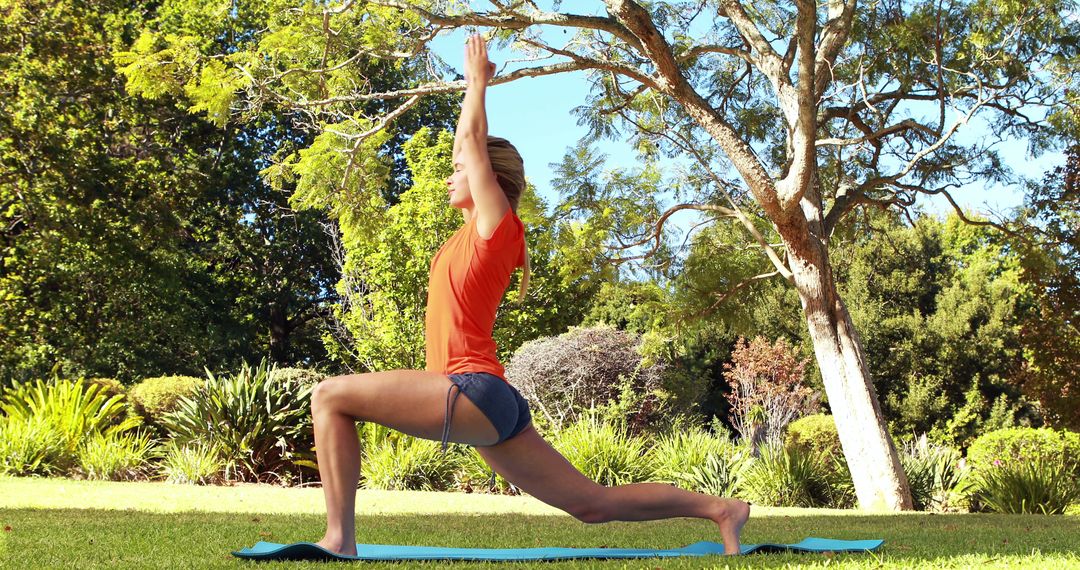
(137, 238)
(279, 259)
(1051, 266)
(860, 106)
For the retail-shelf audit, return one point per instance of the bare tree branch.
(512, 20)
(873, 137)
(724, 295)
(659, 227)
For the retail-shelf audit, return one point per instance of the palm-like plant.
(70, 411)
(260, 425)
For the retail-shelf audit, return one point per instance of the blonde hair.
(509, 171)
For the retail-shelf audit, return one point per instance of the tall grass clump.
(396, 461)
(60, 415)
(1024, 470)
(28, 446)
(788, 477)
(722, 473)
(933, 473)
(118, 457)
(604, 452)
(681, 454)
(194, 463)
(1044, 486)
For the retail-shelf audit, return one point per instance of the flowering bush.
(767, 390)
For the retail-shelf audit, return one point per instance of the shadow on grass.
(90, 538)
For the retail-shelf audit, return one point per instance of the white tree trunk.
(880, 482)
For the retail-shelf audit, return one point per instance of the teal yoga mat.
(309, 551)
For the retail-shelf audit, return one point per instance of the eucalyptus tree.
(809, 111)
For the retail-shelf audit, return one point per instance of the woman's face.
(457, 186)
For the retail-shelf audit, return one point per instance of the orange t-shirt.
(469, 275)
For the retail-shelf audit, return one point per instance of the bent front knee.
(322, 396)
(595, 511)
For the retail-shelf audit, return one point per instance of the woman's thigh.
(534, 466)
(410, 401)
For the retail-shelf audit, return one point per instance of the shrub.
(109, 386)
(301, 376)
(767, 390)
(192, 464)
(602, 451)
(154, 397)
(117, 457)
(722, 473)
(783, 477)
(1024, 470)
(933, 472)
(677, 455)
(261, 426)
(1040, 486)
(1025, 445)
(564, 376)
(28, 445)
(71, 411)
(815, 433)
(402, 462)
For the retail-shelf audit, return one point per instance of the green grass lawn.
(59, 523)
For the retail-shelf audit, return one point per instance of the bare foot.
(336, 546)
(731, 515)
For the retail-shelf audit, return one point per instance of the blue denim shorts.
(498, 400)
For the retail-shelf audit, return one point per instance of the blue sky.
(535, 114)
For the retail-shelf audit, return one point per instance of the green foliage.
(1044, 485)
(262, 426)
(29, 445)
(1024, 470)
(400, 462)
(195, 463)
(679, 454)
(388, 255)
(1024, 445)
(152, 398)
(298, 376)
(603, 452)
(933, 472)
(783, 477)
(116, 457)
(65, 413)
(722, 473)
(939, 314)
(815, 433)
(141, 239)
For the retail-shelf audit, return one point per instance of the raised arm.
(470, 141)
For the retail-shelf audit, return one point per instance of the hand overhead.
(477, 65)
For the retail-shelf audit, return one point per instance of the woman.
(469, 275)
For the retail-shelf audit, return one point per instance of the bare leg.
(338, 450)
(652, 501)
(410, 401)
(538, 469)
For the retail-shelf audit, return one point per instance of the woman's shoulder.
(510, 229)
